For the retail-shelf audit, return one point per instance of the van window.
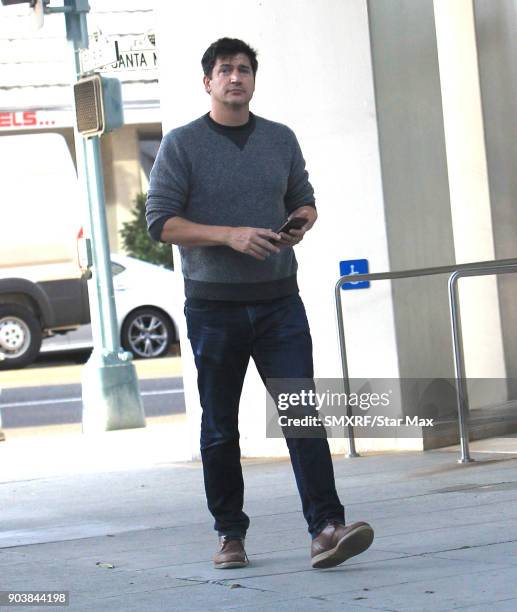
(116, 268)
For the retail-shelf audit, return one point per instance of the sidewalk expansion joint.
(228, 583)
(408, 555)
(491, 486)
(491, 602)
(466, 547)
(410, 497)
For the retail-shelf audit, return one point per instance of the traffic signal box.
(98, 105)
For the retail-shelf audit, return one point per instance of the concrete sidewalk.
(446, 534)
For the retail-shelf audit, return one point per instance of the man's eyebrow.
(231, 66)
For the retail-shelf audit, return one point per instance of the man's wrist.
(223, 234)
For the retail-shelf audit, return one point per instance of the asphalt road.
(61, 404)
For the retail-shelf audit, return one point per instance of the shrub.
(137, 242)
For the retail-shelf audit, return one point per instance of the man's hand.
(295, 236)
(253, 241)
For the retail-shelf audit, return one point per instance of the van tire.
(20, 336)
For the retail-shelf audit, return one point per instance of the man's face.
(232, 82)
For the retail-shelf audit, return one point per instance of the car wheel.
(20, 336)
(147, 333)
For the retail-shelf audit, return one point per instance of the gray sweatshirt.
(252, 175)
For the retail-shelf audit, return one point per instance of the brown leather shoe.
(231, 553)
(337, 543)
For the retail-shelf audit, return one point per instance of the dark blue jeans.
(224, 335)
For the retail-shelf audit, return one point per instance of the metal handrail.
(457, 270)
(457, 346)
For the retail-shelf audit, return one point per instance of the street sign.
(134, 59)
(136, 43)
(110, 54)
(101, 53)
(354, 266)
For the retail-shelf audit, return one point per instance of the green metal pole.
(111, 395)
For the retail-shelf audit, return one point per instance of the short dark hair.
(227, 47)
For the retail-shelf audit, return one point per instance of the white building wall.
(314, 75)
(469, 196)
(496, 34)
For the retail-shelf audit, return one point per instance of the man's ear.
(206, 83)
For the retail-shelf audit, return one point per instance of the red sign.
(24, 120)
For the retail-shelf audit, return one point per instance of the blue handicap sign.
(354, 266)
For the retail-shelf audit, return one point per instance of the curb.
(162, 367)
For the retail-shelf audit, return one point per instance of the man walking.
(219, 187)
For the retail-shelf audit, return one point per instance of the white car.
(146, 311)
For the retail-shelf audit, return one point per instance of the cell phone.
(294, 223)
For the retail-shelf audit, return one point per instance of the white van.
(42, 291)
